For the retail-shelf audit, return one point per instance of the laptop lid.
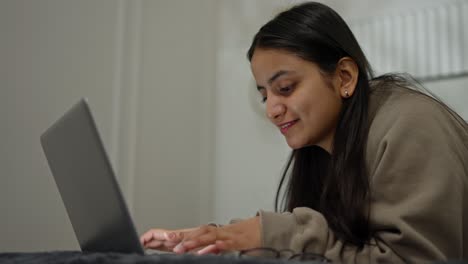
(87, 184)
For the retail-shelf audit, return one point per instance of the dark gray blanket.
(76, 257)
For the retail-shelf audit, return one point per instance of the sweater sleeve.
(416, 158)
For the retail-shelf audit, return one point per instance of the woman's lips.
(286, 126)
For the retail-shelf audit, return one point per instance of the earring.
(346, 93)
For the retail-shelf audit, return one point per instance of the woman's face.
(300, 100)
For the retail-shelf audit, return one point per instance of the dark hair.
(336, 185)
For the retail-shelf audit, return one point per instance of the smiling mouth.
(286, 126)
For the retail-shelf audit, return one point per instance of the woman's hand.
(210, 239)
(166, 240)
(163, 239)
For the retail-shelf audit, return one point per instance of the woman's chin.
(294, 144)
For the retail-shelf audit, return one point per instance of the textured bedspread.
(76, 257)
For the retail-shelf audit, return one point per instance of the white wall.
(147, 68)
(52, 53)
(172, 186)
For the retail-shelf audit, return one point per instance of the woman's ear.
(347, 72)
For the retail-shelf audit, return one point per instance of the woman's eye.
(263, 99)
(286, 89)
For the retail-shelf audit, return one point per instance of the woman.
(378, 172)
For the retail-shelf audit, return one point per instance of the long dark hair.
(336, 185)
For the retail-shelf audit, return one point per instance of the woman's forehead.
(265, 57)
(266, 63)
(272, 60)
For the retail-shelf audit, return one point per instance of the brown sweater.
(417, 160)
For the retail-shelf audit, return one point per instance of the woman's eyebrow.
(277, 75)
(274, 77)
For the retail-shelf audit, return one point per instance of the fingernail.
(179, 248)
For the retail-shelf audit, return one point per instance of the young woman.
(378, 172)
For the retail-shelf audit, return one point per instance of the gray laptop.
(87, 184)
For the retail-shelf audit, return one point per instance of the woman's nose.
(274, 110)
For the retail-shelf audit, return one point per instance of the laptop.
(87, 184)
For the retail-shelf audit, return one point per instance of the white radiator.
(429, 43)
